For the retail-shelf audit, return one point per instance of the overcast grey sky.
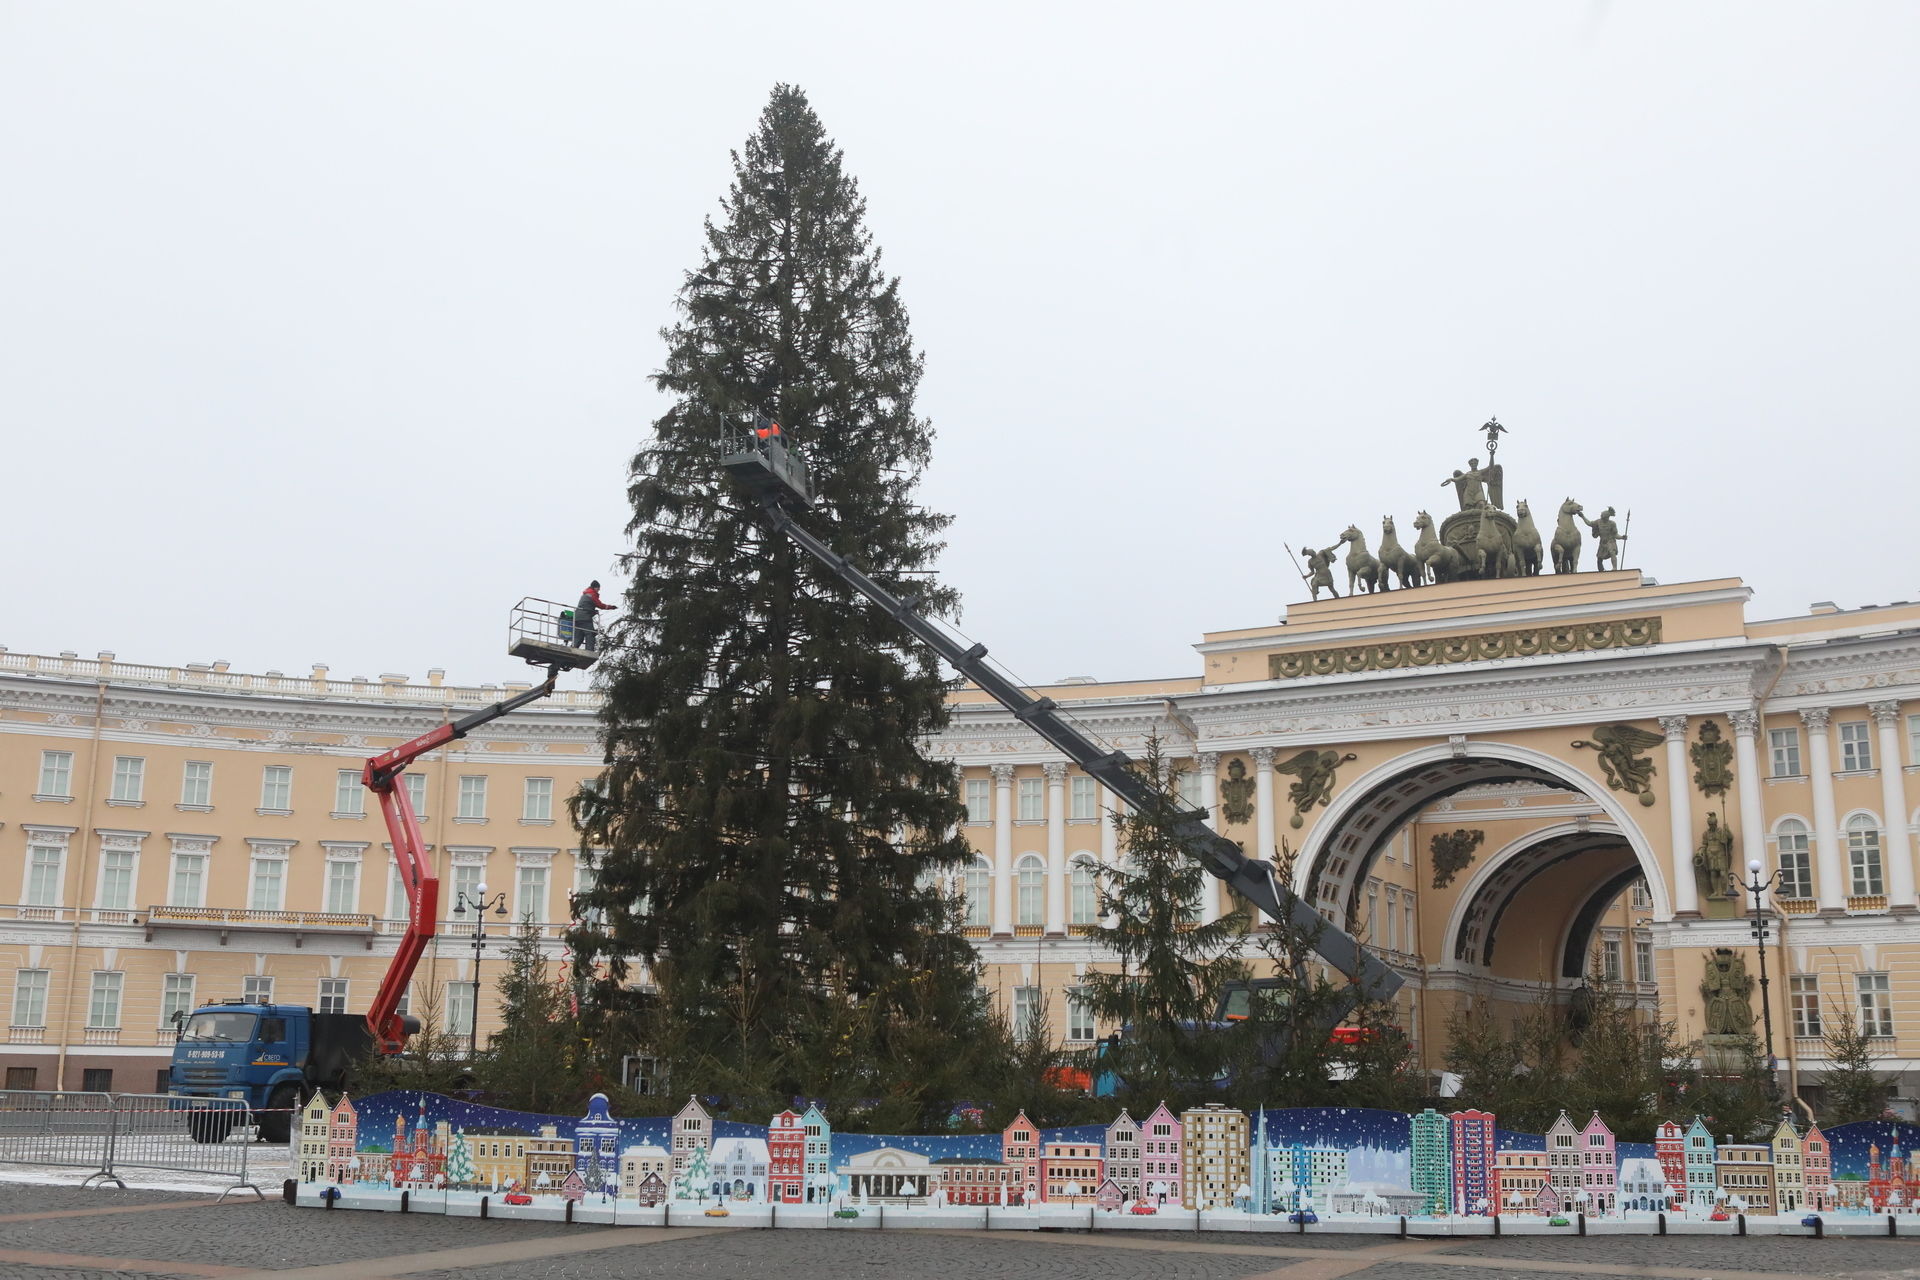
(325, 328)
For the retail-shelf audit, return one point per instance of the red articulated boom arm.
(382, 777)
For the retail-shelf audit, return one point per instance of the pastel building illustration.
(639, 1163)
(1214, 1156)
(1071, 1172)
(596, 1146)
(1520, 1181)
(1743, 1175)
(1670, 1149)
(1703, 1191)
(1162, 1145)
(1304, 1177)
(343, 1134)
(1123, 1155)
(1432, 1168)
(1471, 1139)
(738, 1168)
(1789, 1171)
(1890, 1186)
(1817, 1170)
(1643, 1185)
(1599, 1168)
(316, 1122)
(786, 1159)
(1020, 1150)
(1563, 1159)
(692, 1131)
(819, 1154)
(975, 1180)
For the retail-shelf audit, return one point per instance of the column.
(1003, 849)
(1686, 893)
(1109, 842)
(1898, 844)
(1056, 848)
(1207, 766)
(1263, 804)
(1746, 766)
(1830, 882)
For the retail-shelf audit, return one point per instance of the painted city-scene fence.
(1292, 1167)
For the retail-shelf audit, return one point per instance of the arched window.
(1084, 904)
(979, 884)
(1796, 863)
(1031, 877)
(1863, 855)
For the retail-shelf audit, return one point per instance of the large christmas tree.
(769, 813)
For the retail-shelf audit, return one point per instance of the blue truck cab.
(271, 1056)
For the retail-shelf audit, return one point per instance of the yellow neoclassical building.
(1504, 786)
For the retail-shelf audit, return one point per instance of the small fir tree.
(460, 1170)
(529, 1064)
(1173, 968)
(1854, 1089)
(769, 809)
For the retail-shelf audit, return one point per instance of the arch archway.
(1364, 816)
(1607, 865)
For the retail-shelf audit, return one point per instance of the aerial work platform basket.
(545, 634)
(767, 467)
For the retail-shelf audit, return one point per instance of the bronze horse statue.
(1493, 555)
(1442, 562)
(1566, 538)
(1395, 558)
(1361, 566)
(1526, 540)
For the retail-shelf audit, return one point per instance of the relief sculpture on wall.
(1452, 853)
(1712, 760)
(1236, 793)
(1620, 746)
(1313, 771)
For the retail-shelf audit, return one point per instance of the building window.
(1913, 741)
(460, 998)
(1785, 747)
(1796, 863)
(257, 988)
(416, 784)
(30, 997)
(1033, 799)
(103, 1005)
(1187, 784)
(465, 887)
(1083, 798)
(1803, 992)
(129, 779)
(1084, 903)
(176, 999)
(1610, 969)
(1863, 855)
(349, 797)
(1373, 911)
(1643, 960)
(1026, 1010)
(196, 785)
(473, 797)
(1393, 918)
(1032, 882)
(397, 893)
(333, 995)
(56, 773)
(268, 892)
(1079, 1016)
(1876, 1003)
(46, 866)
(276, 788)
(1408, 937)
(1856, 745)
(1642, 899)
(531, 901)
(537, 804)
(189, 886)
(979, 800)
(96, 1080)
(116, 880)
(343, 887)
(978, 882)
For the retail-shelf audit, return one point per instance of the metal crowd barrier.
(107, 1133)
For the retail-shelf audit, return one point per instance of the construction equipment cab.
(273, 1056)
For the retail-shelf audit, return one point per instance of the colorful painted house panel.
(1643, 1186)
(343, 1133)
(316, 1119)
(1789, 1171)
(640, 1162)
(596, 1146)
(1162, 1147)
(1020, 1149)
(819, 1155)
(1743, 1175)
(1518, 1177)
(1110, 1196)
(1432, 1170)
(1214, 1156)
(786, 1159)
(1702, 1189)
(976, 1180)
(692, 1131)
(1817, 1170)
(1071, 1172)
(1563, 1158)
(1599, 1168)
(1471, 1139)
(652, 1191)
(738, 1169)
(1670, 1149)
(1123, 1154)
(1304, 1177)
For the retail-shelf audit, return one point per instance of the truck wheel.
(276, 1122)
(209, 1126)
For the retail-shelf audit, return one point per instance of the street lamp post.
(480, 902)
(1761, 928)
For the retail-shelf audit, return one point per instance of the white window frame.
(526, 898)
(1030, 889)
(1913, 741)
(536, 800)
(1030, 799)
(276, 784)
(176, 994)
(1856, 745)
(129, 784)
(416, 785)
(1083, 889)
(1643, 962)
(1866, 856)
(1026, 1009)
(56, 776)
(349, 794)
(979, 800)
(1080, 1025)
(258, 877)
(257, 988)
(462, 882)
(1783, 753)
(978, 891)
(46, 865)
(1612, 960)
(196, 785)
(1083, 798)
(1793, 853)
(1186, 784)
(1873, 994)
(332, 996)
(119, 874)
(104, 999)
(1803, 1001)
(194, 866)
(472, 803)
(30, 988)
(342, 871)
(396, 892)
(462, 995)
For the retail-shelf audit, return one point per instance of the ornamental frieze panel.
(1530, 642)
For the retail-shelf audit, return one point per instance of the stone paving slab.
(1837, 1256)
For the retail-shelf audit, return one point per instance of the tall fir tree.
(529, 1063)
(769, 813)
